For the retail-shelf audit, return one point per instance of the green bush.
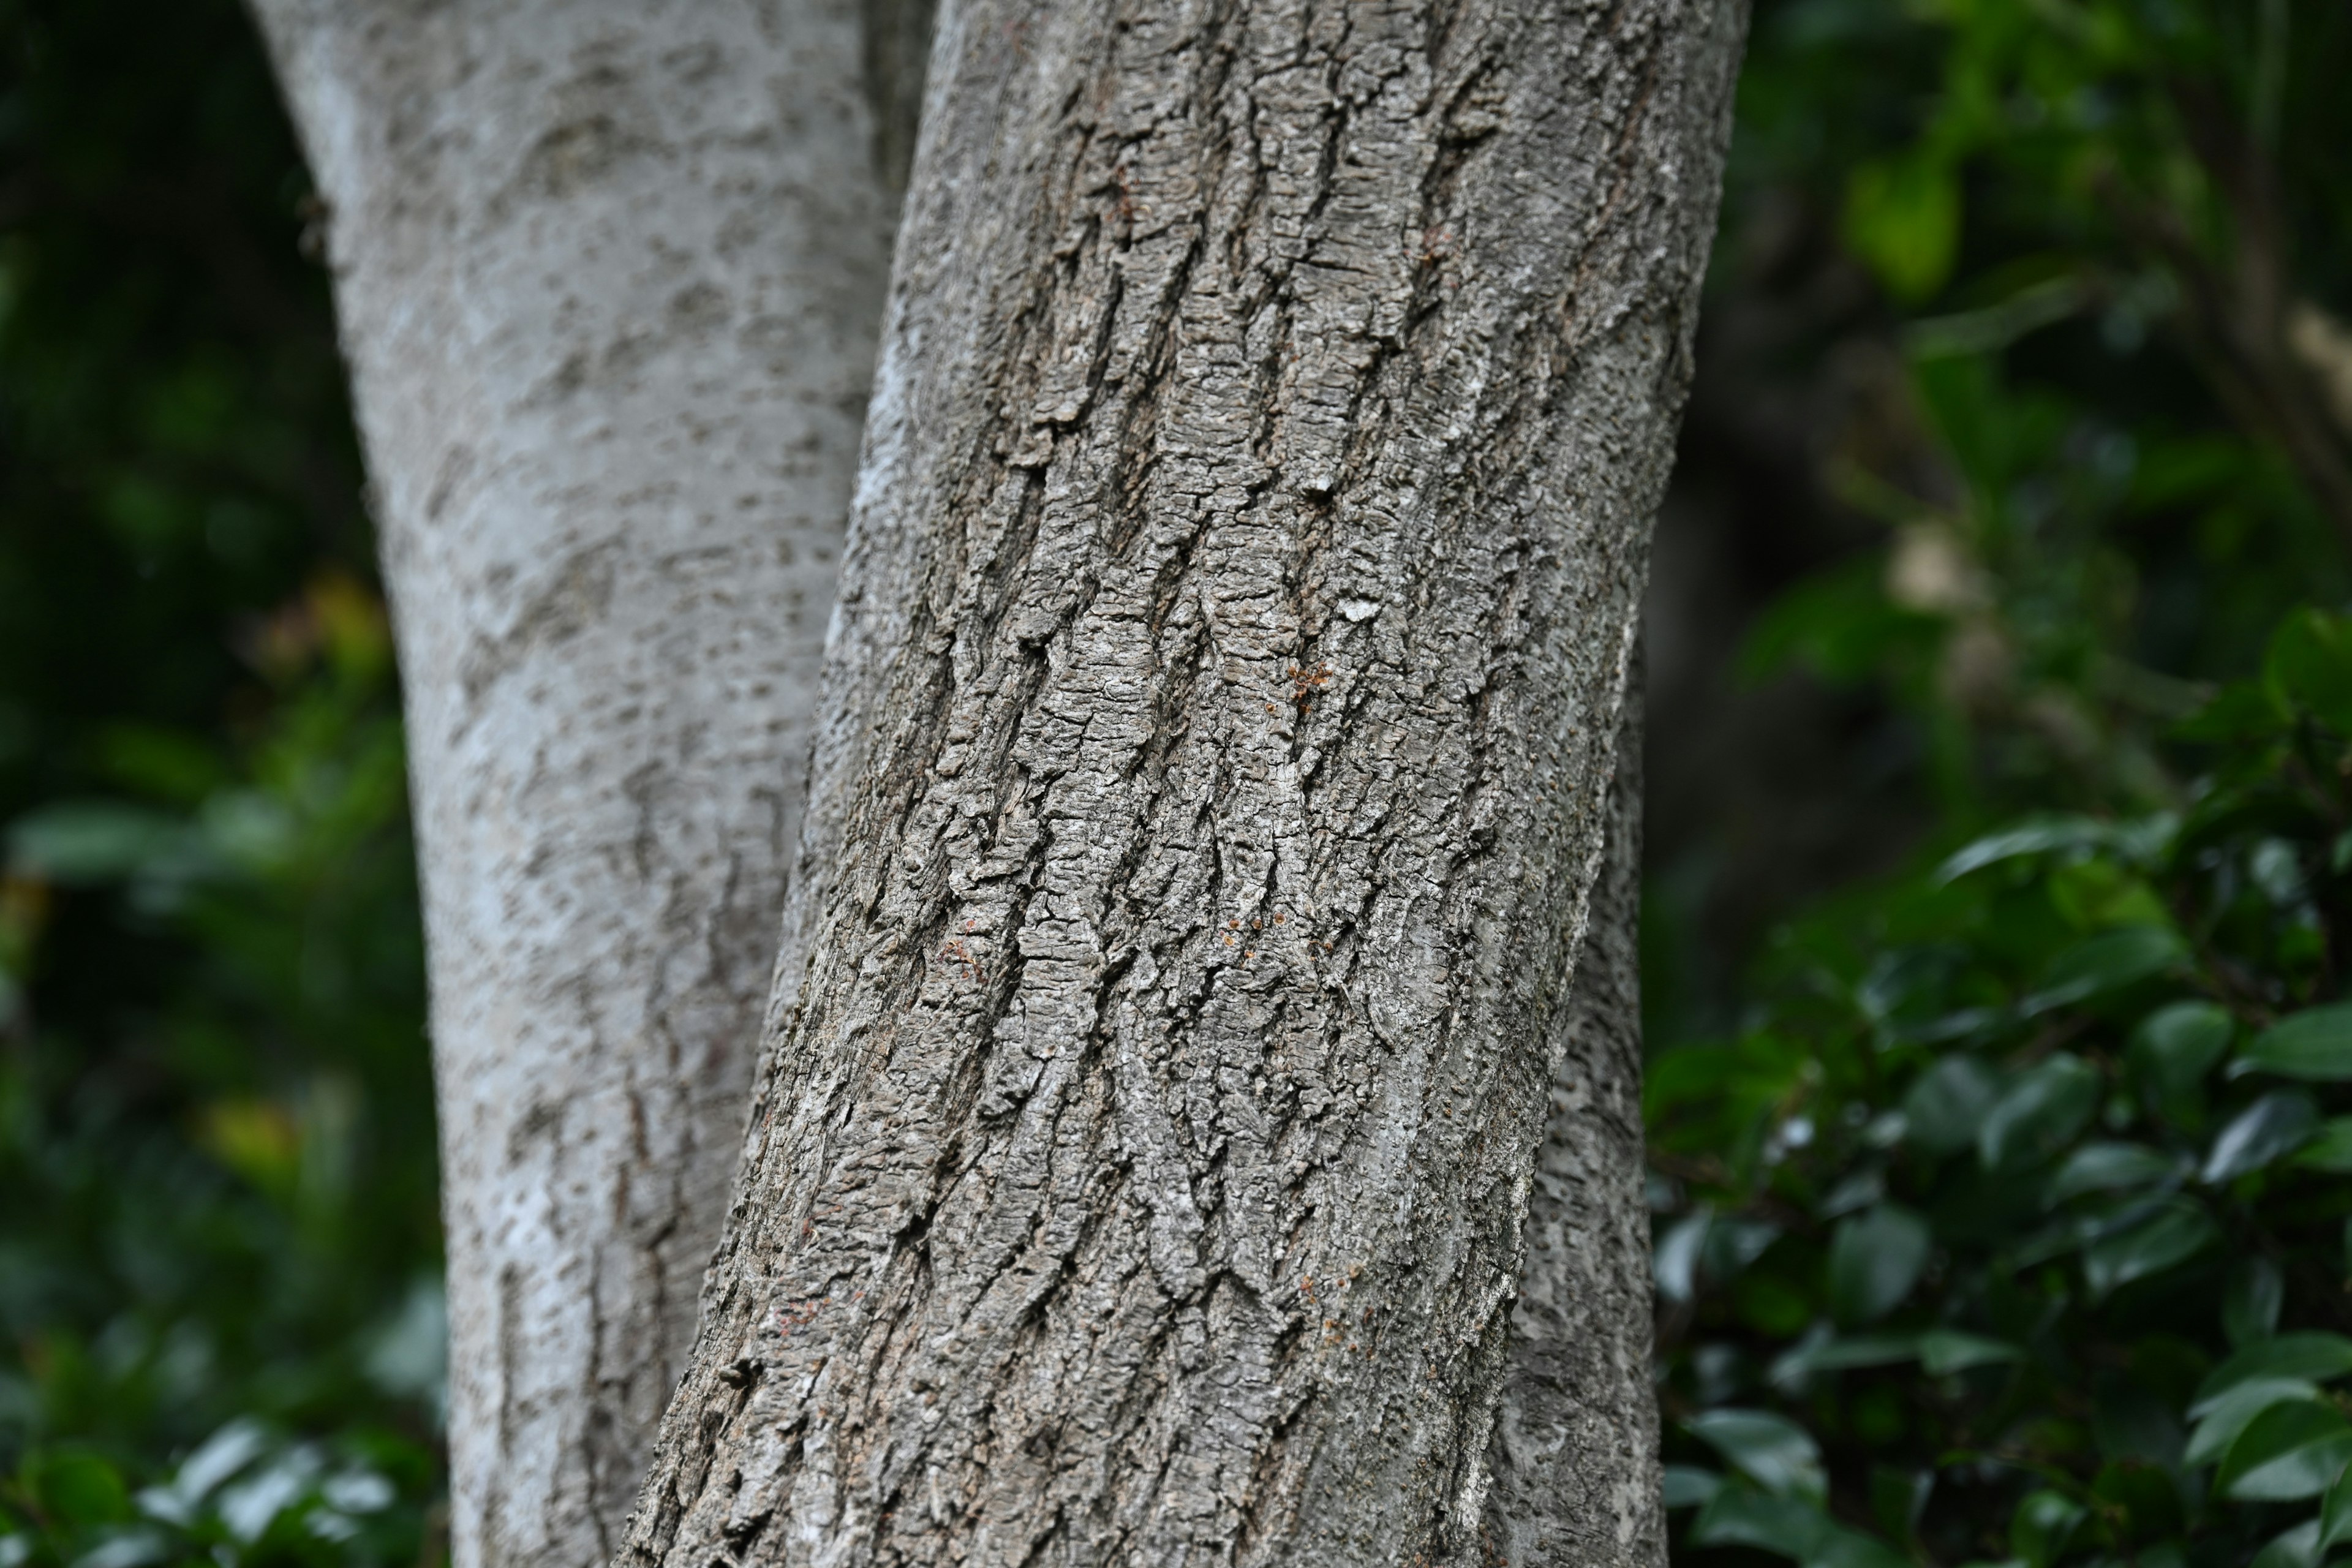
(244, 1496)
(218, 1238)
(2009, 1219)
(237, 1220)
(2015, 1225)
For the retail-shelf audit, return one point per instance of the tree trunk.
(610, 274)
(1575, 1449)
(1211, 778)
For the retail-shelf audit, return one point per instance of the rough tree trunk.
(610, 274)
(1575, 1449)
(1211, 777)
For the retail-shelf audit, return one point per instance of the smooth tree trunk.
(610, 274)
(1210, 786)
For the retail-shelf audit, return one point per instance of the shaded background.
(2020, 422)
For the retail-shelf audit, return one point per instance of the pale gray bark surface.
(610, 274)
(1575, 1449)
(1212, 774)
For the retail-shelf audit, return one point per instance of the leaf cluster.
(245, 1496)
(2017, 1225)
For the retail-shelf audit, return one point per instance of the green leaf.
(2139, 1490)
(2295, 1548)
(1674, 1261)
(1994, 327)
(2098, 895)
(2242, 714)
(2335, 1514)
(2130, 1422)
(2229, 1414)
(1789, 1527)
(220, 1456)
(1773, 1450)
(1875, 1260)
(253, 1505)
(2315, 1357)
(2043, 1525)
(1795, 1366)
(137, 1547)
(2108, 961)
(2294, 1449)
(2042, 1112)
(2315, 1045)
(1858, 1191)
(81, 1489)
(2178, 1231)
(91, 841)
(1838, 1547)
(1840, 625)
(1947, 1104)
(2251, 1301)
(1898, 1498)
(2332, 1149)
(152, 761)
(2276, 868)
(1732, 1245)
(1902, 221)
(2039, 836)
(1943, 1351)
(1707, 1246)
(1688, 1486)
(2109, 1167)
(2310, 665)
(2174, 1047)
(2277, 1124)
(1735, 1516)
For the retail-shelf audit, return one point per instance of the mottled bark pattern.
(610, 275)
(1575, 1450)
(1220, 710)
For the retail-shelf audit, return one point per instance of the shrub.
(2013, 1226)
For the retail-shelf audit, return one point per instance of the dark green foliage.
(218, 1248)
(2023, 1229)
(244, 1494)
(2009, 1221)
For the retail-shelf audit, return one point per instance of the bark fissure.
(1221, 712)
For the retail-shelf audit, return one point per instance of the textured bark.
(1211, 775)
(610, 274)
(1575, 1449)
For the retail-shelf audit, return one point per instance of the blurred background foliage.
(220, 1325)
(2002, 803)
(1999, 819)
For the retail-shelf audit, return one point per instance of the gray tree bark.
(1210, 785)
(1574, 1453)
(610, 274)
